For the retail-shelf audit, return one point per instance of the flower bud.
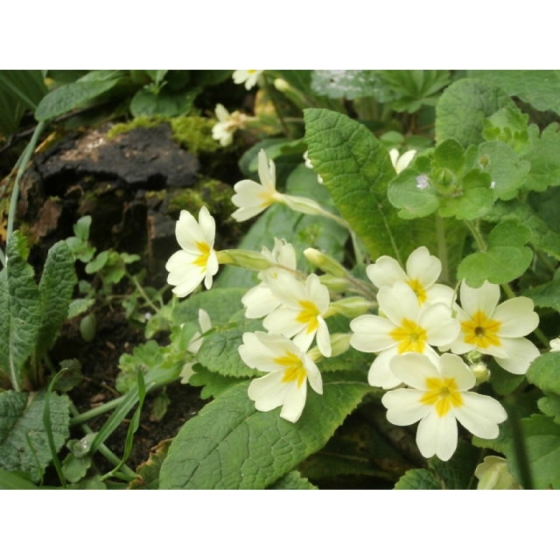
(340, 343)
(334, 284)
(493, 474)
(281, 85)
(351, 307)
(325, 262)
(303, 205)
(251, 260)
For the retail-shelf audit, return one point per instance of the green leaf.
(543, 235)
(56, 288)
(543, 373)
(71, 96)
(231, 445)
(505, 260)
(505, 166)
(356, 169)
(541, 436)
(219, 350)
(23, 438)
(165, 102)
(292, 481)
(545, 164)
(412, 201)
(510, 125)
(220, 304)
(15, 481)
(20, 309)
(539, 88)
(546, 295)
(551, 407)
(457, 473)
(418, 479)
(20, 90)
(463, 107)
(212, 383)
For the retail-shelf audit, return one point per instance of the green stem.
(442, 249)
(143, 293)
(21, 166)
(271, 91)
(103, 449)
(481, 244)
(80, 418)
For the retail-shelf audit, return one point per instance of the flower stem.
(481, 244)
(442, 248)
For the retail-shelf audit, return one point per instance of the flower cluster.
(227, 124)
(417, 316)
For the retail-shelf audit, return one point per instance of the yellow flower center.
(202, 259)
(294, 369)
(308, 315)
(481, 330)
(410, 336)
(442, 394)
(419, 290)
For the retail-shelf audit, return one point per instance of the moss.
(138, 122)
(194, 133)
(213, 194)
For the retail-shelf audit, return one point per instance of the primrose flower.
(401, 326)
(288, 369)
(422, 272)
(401, 162)
(301, 312)
(438, 397)
(259, 300)
(196, 261)
(228, 123)
(195, 343)
(496, 330)
(253, 198)
(247, 77)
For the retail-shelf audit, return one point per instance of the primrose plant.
(422, 320)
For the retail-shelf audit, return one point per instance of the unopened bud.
(326, 263)
(281, 85)
(251, 260)
(481, 372)
(340, 343)
(351, 307)
(493, 474)
(303, 205)
(334, 284)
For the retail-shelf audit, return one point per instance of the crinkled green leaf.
(23, 439)
(219, 350)
(15, 481)
(457, 473)
(502, 381)
(20, 310)
(539, 88)
(232, 445)
(463, 107)
(71, 96)
(148, 472)
(473, 203)
(293, 481)
(505, 260)
(356, 169)
(212, 383)
(219, 303)
(56, 288)
(510, 125)
(418, 479)
(543, 234)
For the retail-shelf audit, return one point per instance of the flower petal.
(380, 373)
(517, 317)
(371, 333)
(404, 406)
(483, 299)
(385, 272)
(480, 415)
(413, 369)
(423, 266)
(520, 354)
(269, 392)
(437, 435)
